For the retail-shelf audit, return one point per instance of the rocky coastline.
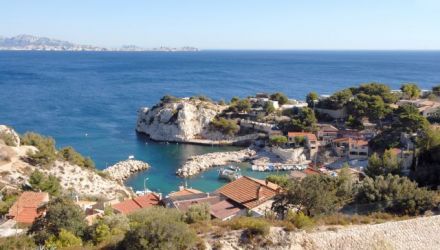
(200, 163)
(124, 169)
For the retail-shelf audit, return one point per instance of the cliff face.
(178, 121)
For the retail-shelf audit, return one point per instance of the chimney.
(259, 192)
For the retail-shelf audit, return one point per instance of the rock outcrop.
(87, 183)
(124, 169)
(15, 171)
(8, 134)
(199, 163)
(178, 120)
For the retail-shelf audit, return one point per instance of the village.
(323, 135)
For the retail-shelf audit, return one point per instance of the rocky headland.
(180, 120)
(124, 169)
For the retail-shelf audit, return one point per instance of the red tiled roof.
(185, 191)
(224, 209)
(244, 191)
(25, 209)
(357, 142)
(183, 205)
(311, 171)
(395, 151)
(132, 205)
(309, 136)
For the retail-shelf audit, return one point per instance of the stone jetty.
(124, 169)
(199, 163)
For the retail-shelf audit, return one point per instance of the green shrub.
(158, 228)
(197, 213)
(71, 155)
(46, 154)
(101, 233)
(6, 203)
(225, 126)
(278, 140)
(22, 242)
(118, 223)
(281, 180)
(300, 220)
(42, 182)
(280, 97)
(64, 239)
(61, 214)
(251, 226)
(396, 194)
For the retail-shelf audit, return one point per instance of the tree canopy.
(280, 97)
(410, 90)
(42, 182)
(46, 153)
(395, 194)
(383, 165)
(61, 213)
(314, 195)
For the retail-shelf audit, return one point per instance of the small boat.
(143, 192)
(228, 174)
(131, 157)
(234, 168)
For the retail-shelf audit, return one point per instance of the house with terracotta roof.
(135, 204)
(27, 207)
(250, 195)
(219, 207)
(183, 202)
(304, 139)
(184, 191)
(351, 148)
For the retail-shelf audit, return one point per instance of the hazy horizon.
(231, 25)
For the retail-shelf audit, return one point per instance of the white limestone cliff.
(181, 120)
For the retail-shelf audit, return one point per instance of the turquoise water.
(70, 94)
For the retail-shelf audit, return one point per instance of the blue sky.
(230, 24)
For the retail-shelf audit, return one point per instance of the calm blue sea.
(70, 94)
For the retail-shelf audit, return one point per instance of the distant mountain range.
(29, 42)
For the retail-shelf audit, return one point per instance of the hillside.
(419, 233)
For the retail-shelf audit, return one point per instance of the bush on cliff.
(46, 153)
(8, 139)
(158, 228)
(225, 126)
(42, 182)
(71, 155)
(251, 226)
